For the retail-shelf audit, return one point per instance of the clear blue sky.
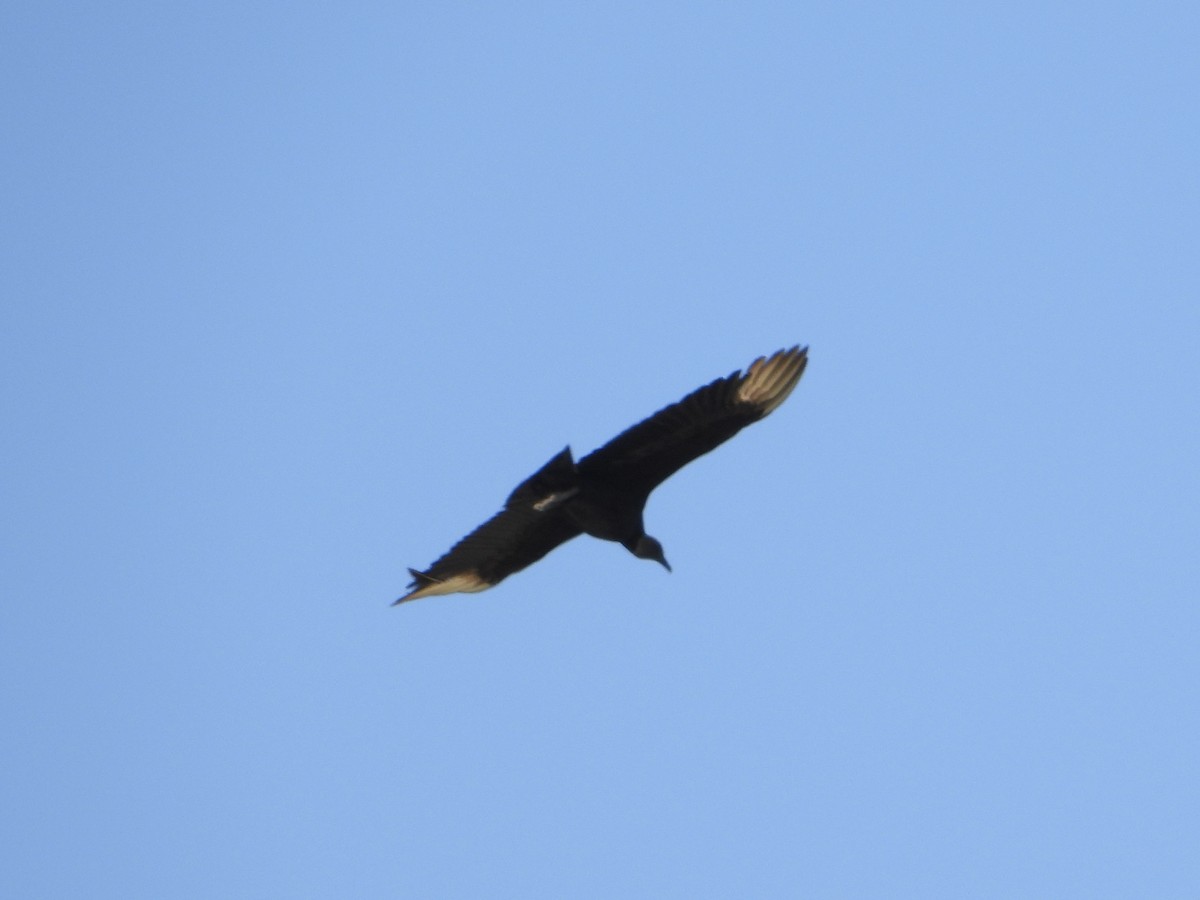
(293, 295)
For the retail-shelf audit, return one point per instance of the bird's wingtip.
(419, 582)
(769, 380)
(423, 585)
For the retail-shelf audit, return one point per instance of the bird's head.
(649, 548)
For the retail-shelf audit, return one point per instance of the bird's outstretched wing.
(530, 526)
(642, 457)
(512, 539)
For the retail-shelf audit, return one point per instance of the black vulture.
(605, 492)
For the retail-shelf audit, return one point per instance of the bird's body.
(604, 493)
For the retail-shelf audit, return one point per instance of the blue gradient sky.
(295, 294)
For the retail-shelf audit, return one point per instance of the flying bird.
(604, 493)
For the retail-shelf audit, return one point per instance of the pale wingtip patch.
(462, 583)
(769, 380)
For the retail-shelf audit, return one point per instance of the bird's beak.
(666, 565)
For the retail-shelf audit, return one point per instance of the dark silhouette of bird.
(604, 493)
